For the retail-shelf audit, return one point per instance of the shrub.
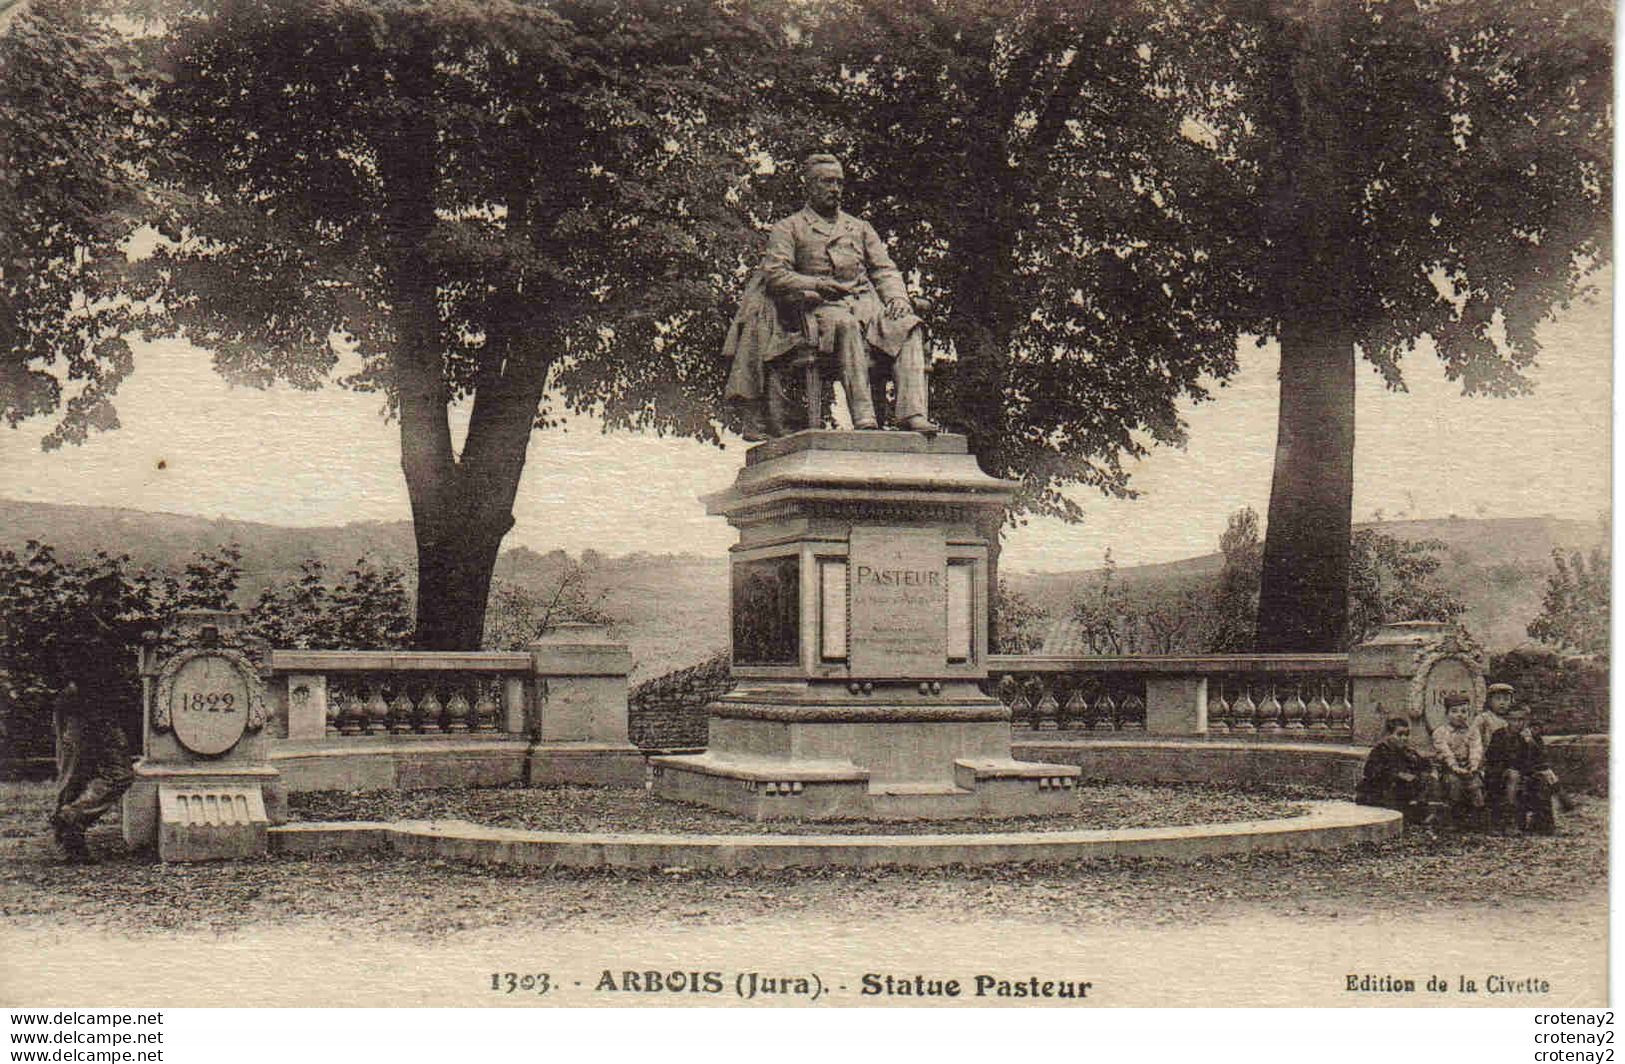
(1569, 692)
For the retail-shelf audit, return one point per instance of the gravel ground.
(629, 810)
(389, 895)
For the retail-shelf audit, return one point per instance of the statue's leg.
(908, 373)
(854, 356)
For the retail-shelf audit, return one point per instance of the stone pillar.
(860, 643)
(585, 675)
(1175, 705)
(1406, 670)
(513, 705)
(307, 706)
(204, 787)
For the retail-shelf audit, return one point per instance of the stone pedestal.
(204, 788)
(585, 675)
(859, 617)
(1406, 670)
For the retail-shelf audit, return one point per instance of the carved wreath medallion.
(209, 697)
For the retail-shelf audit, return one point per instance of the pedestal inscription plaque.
(898, 583)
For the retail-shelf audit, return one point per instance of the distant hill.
(1497, 566)
(673, 608)
(271, 553)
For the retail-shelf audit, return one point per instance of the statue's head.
(824, 180)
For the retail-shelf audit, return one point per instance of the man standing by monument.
(836, 289)
(92, 751)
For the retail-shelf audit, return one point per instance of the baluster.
(330, 725)
(1089, 707)
(400, 710)
(457, 711)
(429, 710)
(1343, 711)
(1106, 713)
(1133, 713)
(1006, 690)
(1320, 711)
(1045, 707)
(1245, 712)
(351, 712)
(1295, 710)
(376, 711)
(1076, 704)
(1269, 714)
(1014, 695)
(1218, 712)
(485, 706)
(1060, 689)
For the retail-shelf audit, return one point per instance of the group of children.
(1488, 770)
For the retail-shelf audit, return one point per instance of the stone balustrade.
(568, 686)
(555, 712)
(1262, 696)
(355, 693)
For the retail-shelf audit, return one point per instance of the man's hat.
(1453, 700)
(1500, 689)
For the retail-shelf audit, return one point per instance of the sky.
(191, 443)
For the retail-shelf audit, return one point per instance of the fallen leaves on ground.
(400, 896)
(622, 809)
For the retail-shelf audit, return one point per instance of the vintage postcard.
(821, 503)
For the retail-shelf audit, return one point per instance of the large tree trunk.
(454, 582)
(1303, 594)
(461, 509)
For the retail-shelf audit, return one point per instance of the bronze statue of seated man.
(827, 288)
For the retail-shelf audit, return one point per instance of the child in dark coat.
(1521, 781)
(1397, 776)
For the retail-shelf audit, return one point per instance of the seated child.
(1461, 756)
(1396, 775)
(1493, 717)
(1520, 778)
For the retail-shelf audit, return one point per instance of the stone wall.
(1581, 761)
(668, 712)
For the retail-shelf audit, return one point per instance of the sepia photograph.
(835, 503)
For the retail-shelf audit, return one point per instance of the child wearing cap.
(1461, 756)
(1492, 718)
(1521, 779)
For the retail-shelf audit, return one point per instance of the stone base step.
(781, 789)
(879, 790)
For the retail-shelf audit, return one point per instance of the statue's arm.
(779, 264)
(883, 272)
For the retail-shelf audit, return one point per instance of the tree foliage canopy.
(1574, 614)
(71, 184)
(1456, 158)
(543, 207)
(1031, 167)
(528, 207)
(1393, 579)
